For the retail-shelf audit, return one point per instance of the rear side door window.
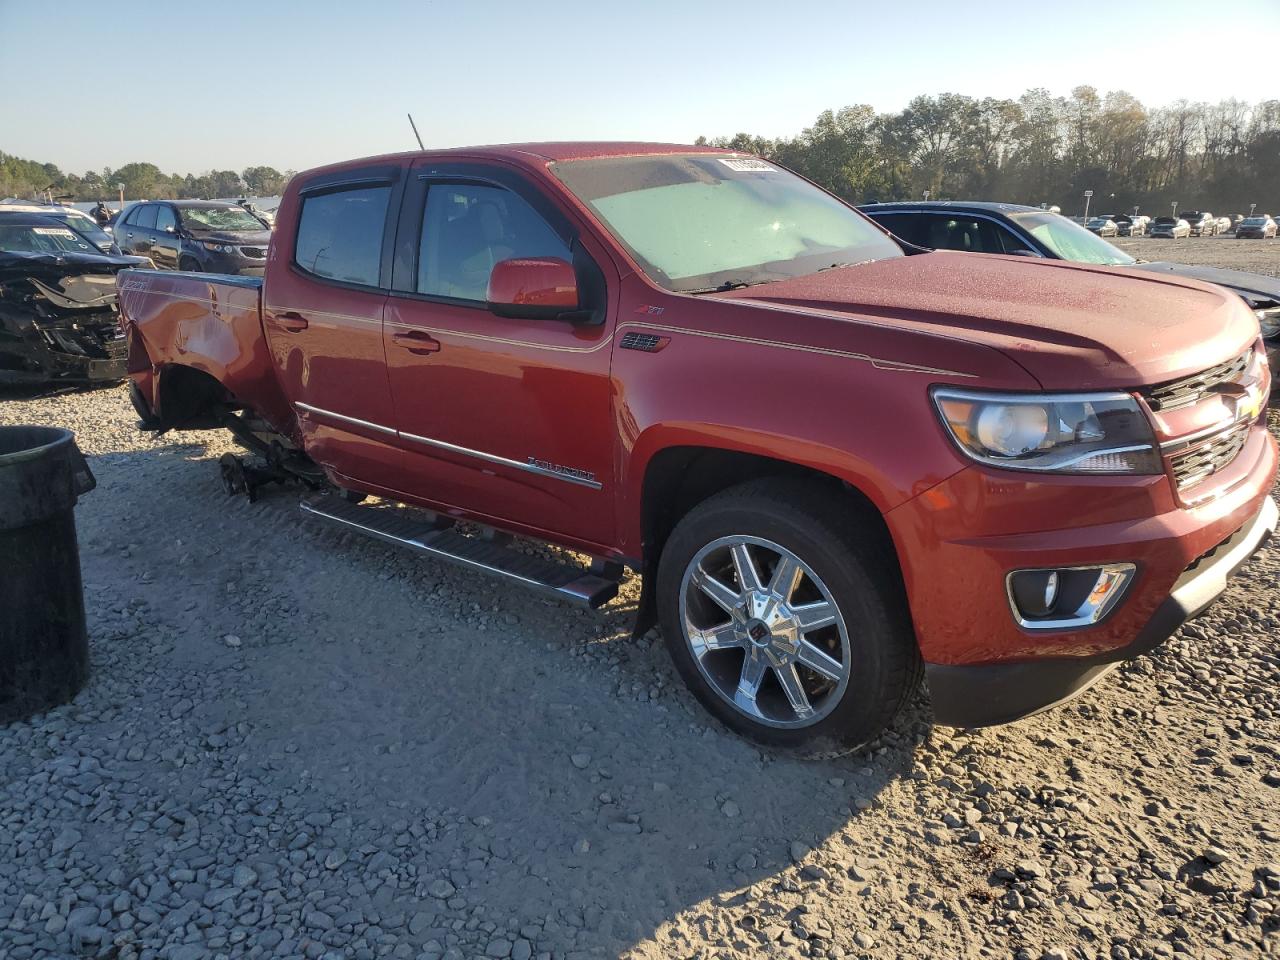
(905, 226)
(467, 228)
(340, 234)
(146, 216)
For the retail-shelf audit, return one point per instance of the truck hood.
(1259, 290)
(1071, 326)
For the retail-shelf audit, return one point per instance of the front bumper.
(958, 541)
(31, 359)
(233, 264)
(986, 694)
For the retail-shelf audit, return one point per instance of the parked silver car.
(1174, 229)
(1202, 224)
(1103, 226)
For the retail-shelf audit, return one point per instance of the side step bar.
(407, 528)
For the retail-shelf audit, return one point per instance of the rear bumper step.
(407, 528)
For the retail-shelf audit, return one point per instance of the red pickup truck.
(836, 461)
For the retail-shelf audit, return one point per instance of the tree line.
(1036, 149)
(29, 179)
(1043, 149)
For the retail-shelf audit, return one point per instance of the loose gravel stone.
(378, 770)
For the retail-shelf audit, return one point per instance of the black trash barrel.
(44, 648)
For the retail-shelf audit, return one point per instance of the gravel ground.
(296, 742)
(1255, 256)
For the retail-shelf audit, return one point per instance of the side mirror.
(1025, 253)
(170, 229)
(532, 288)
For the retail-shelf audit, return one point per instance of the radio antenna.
(415, 131)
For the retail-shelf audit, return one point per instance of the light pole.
(1251, 206)
(120, 187)
(926, 195)
(1087, 195)
(1135, 209)
(1175, 209)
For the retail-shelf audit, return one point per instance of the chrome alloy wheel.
(765, 632)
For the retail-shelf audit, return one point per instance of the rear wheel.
(785, 618)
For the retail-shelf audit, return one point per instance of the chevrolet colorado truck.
(837, 461)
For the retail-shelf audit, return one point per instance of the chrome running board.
(416, 531)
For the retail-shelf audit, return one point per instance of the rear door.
(140, 228)
(506, 419)
(322, 311)
(165, 241)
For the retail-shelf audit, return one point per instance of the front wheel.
(189, 264)
(786, 619)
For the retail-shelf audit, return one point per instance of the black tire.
(189, 264)
(859, 568)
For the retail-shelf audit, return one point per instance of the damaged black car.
(58, 314)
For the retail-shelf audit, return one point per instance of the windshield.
(1254, 221)
(235, 219)
(53, 240)
(85, 226)
(702, 221)
(1070, 241)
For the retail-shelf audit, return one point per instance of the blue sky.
(224, 84)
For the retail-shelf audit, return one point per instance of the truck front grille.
(1191, 390)
(1203, 461)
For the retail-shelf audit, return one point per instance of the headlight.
(218, 247)
(1269, 321)
(1090, 433)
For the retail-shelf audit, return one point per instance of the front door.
(322, 311)
(504, 419)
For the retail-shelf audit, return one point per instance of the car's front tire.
(786, 617)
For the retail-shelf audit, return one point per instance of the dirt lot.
(1255, 256)
(299, 743)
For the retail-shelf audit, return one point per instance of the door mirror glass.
(535, 288)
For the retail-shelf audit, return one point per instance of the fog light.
(1035, 591)
(1065, 598)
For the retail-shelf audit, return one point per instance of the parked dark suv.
(208, 236)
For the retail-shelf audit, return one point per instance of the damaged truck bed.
(58, 317)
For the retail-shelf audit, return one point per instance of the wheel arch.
(677, 478)
(189, 397)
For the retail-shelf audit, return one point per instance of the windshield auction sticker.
(747, 165)
(54, 232)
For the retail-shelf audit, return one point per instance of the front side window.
(970, 234)
(1070, 241)
(340, 234)
(165, 218)
(700, 222)
(467, 228)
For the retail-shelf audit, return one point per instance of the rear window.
(340, 234)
